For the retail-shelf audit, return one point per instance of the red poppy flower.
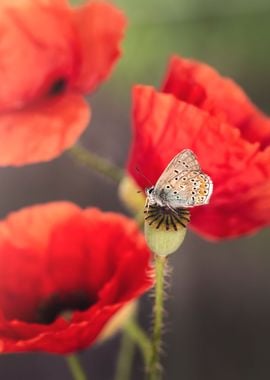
(200, 110)
(57, 258)
(51, 55)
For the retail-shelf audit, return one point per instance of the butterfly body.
(182, 184)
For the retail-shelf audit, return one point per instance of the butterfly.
(182, 184)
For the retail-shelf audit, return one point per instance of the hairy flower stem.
(96, 163)
(76, 368)
(154, 369)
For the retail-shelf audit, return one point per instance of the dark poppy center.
(58, 86)
(56, 305)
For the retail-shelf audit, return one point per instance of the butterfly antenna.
(141, 174)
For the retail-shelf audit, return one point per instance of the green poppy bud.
(164, 228)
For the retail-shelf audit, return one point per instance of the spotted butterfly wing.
(182, 183)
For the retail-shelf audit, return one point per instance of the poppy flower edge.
(100, 22)
(64, 53)
(201, 85)
(83, 279)
(165, 125)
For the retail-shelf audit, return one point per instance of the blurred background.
(218, 307)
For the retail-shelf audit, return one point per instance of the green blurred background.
(218, 308)
(233, 36)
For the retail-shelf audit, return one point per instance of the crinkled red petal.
(50, 53)
(38, 47)
(163, 126)
(42, 131)
(199, 84)
(58, 249)
(100, 27)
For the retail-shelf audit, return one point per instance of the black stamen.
(54, 306)
(179, 221)
(173, 223)
(160, 222)
(156, 218)
(167, 222)
(152, 216)
(166, 217)
(58, 87)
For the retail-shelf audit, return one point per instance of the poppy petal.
(199, 84)
(52, 260)
(163, 126)
(100, 28)
(61, 119)
(40, 36)
(62, 52)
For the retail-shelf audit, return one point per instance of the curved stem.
(154, 370)
(125, 357)
(140, 338)
(96, 163)
(132, 334)
(76, 368)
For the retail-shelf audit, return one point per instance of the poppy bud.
(132, 197)
(165, 229)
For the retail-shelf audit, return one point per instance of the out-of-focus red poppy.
(199, 84)
(57, 259)
(200, 110)
(51, 55)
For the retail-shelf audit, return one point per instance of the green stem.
(96, 163)
(76, 368)
(137, 334)
(154, 370)
(125, 358)
(132, 333)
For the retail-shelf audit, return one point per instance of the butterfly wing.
(192, 188)
(182, 184)
(183, 161)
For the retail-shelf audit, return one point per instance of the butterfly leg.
(146, 206)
